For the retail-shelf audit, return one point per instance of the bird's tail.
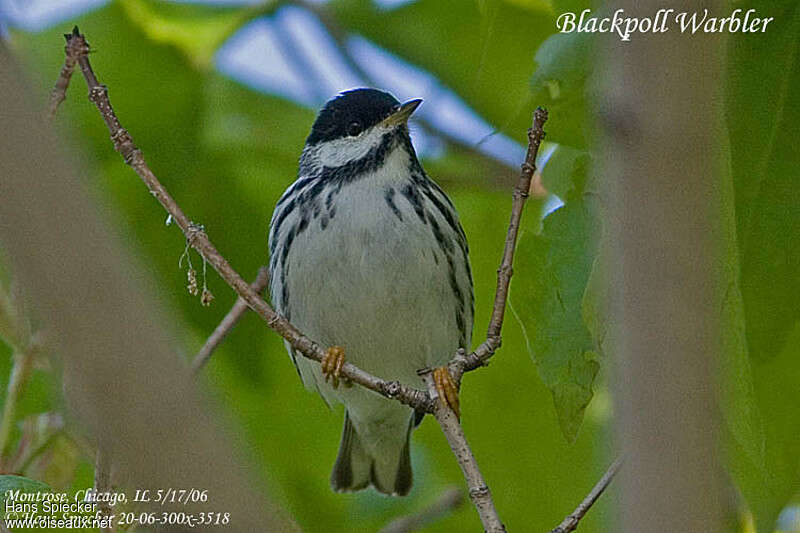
(389, 471)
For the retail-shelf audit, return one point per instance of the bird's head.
(355, 122)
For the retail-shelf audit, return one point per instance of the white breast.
(376, 282)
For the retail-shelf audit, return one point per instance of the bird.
(368, 257)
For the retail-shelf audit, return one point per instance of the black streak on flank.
(411, 194)
(454, 282)
(389, 197)
(462, 328)
(445, 207)
(287, 245)
(285, 302)
(439, 199)
(448, 249)
(447, 213)
(444, 243)
(294, 190)
(302, 225)
(279, 221)
(460, 322)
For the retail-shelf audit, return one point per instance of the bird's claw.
(446, 389)
(332, 365)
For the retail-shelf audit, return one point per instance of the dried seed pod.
(191, 276)
(206, 298)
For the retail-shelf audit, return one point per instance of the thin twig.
(59, 92)
(227, 323)
(570, 523)
(198, 239)
(449, 500)
(463, 362)
(479, 491)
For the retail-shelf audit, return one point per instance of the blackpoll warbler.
(367, 255)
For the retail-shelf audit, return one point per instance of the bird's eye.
(354, 129)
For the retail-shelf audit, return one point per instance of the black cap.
(350, 113)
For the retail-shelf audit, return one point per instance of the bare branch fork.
(77, 50)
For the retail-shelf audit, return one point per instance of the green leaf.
(557, 173)
(595, 299)
(763, 116)
(559, 84)
(198, 31)
(20, 483)
(557, 265)
(770, 486)
(760, 306)
(743, 422)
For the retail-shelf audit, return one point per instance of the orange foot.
(332, 364)
(446, 389)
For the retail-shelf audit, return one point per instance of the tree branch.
(463, 362)
(228, 322)
(449, 500)
(479, 491)
(570, 523)
(59, 92)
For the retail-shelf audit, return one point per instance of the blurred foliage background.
(539, 417)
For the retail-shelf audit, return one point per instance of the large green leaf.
(19, 483)
(744, 435)
(762, 303)
(556, 266)
(563, 64)
(770, 486)
(763, 115)
(557, 173)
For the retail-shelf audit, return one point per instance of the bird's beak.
(401, 115)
